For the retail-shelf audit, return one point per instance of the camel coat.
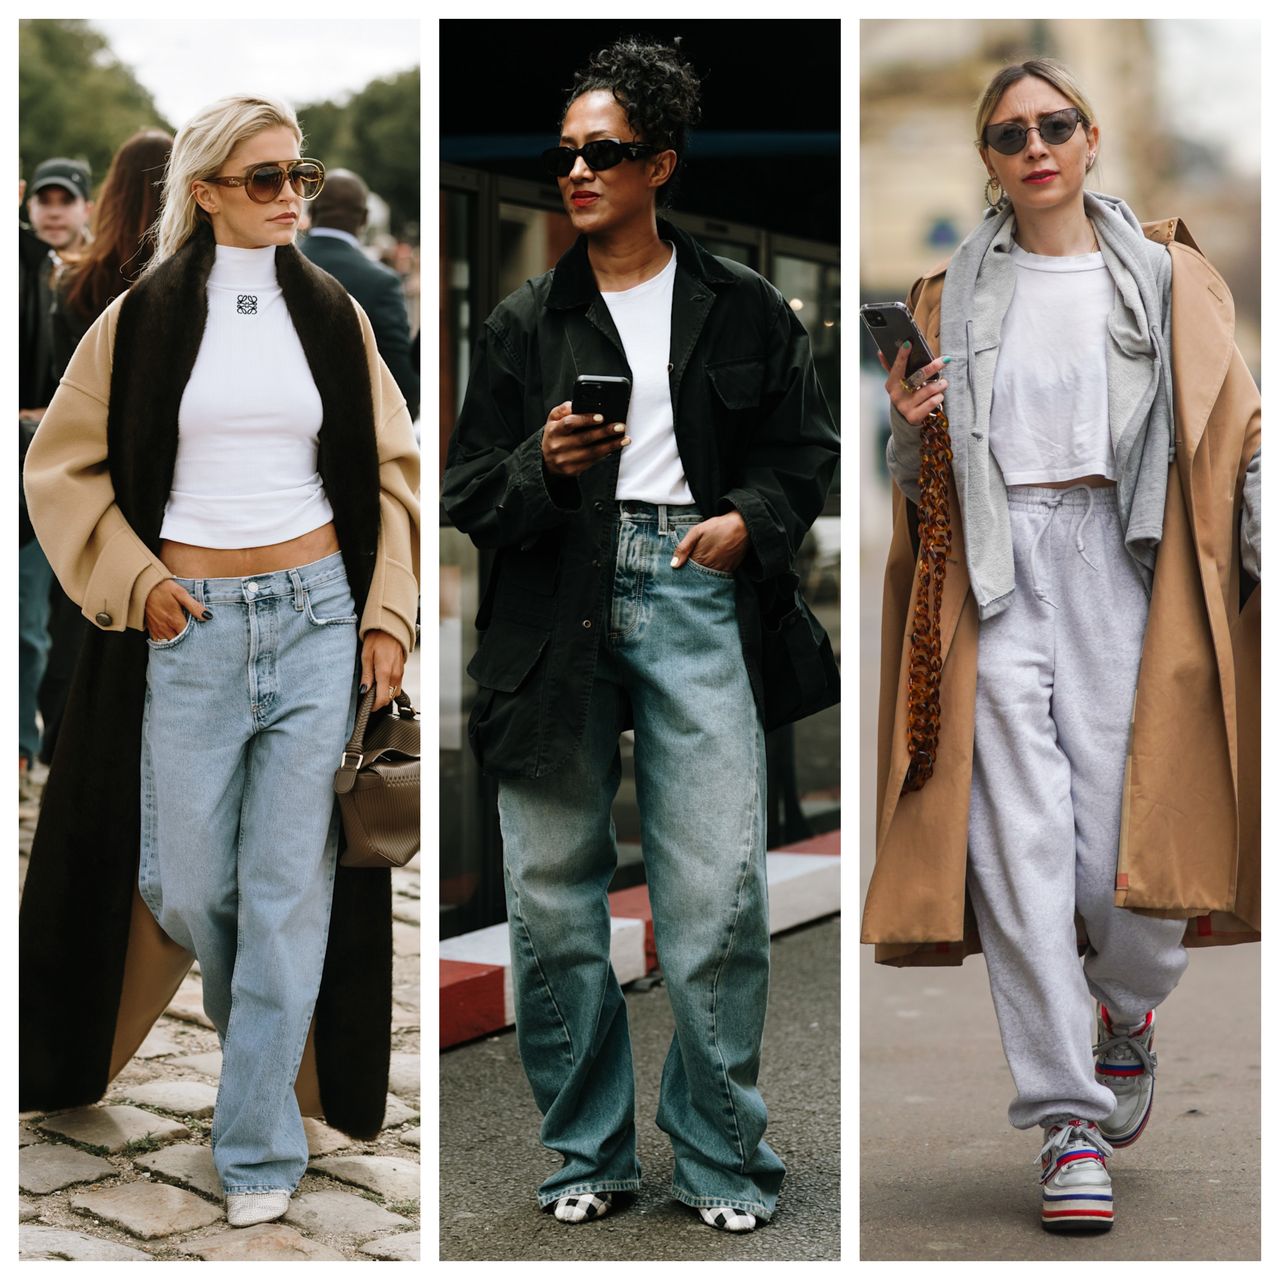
(1190, 826)
(95, 970)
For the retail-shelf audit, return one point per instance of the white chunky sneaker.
(727, 1218)
(1126, 1064)
(1075, 1185)
(584, 1207)
(249, 1208)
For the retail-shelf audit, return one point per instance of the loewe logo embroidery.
(246, 304)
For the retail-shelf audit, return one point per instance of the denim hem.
(722, 1202)
(258, 1189)
(547, 1198)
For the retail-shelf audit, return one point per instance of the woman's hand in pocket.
(381, 665)
(722, 542)
(167, 607)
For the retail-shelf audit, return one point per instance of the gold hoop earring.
(993, 200)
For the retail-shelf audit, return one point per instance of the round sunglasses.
(1055, 128)
(262, 183)
(602, 153)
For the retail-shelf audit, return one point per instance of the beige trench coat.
(1190, 825)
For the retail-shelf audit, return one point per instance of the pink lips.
(1039, 178)
(285, 217)
(583, 198)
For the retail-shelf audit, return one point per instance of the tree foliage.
(75, 98)
(377, 134)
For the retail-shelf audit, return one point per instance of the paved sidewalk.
(491, 1161)
(133, 1179)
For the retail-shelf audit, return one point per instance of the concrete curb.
(475, 968)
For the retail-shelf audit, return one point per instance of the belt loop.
(299, 595)
(199, 590)
(663, 527)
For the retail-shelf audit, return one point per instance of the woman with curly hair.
(640, 563)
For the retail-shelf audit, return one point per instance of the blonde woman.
(1096, 783)
(226, 482)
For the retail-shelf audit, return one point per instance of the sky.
(1205, 100)
(187, 63)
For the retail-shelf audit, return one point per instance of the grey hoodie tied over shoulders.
(978, 289)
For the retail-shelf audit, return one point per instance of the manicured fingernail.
(599, 417)
(207, 615)
(364, 688)
(906, 346)
(675, 562)
(626, 439)
(946, 359)
(619, 426)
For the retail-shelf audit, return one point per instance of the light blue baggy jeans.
(674, 654)
(245, 720)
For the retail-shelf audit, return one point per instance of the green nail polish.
(946, 359)
(906, 346)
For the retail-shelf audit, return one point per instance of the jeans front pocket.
(330, 604)
(174, 641)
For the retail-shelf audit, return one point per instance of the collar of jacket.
(158, 336)
(979, 286)
(573, 283)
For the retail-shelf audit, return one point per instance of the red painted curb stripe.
(828, 843)
(471, 1001)
(1077, 1213)
(633, 904)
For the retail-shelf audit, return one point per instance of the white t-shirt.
(1049, 418)
(650, 469)
(249, 421)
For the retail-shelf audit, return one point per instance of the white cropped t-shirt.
(649, 469)
(249, 420)
(1049, 417)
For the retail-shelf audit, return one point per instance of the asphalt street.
(944, 1176)
(491, 1161)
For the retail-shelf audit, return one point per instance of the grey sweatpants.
(1057, 672)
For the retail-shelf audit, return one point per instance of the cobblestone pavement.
(133, 1179)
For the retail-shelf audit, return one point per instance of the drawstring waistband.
(1031, 496)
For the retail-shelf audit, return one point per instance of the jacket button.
(599, 506)
(595, 564)
(102, 619)
(586, 622)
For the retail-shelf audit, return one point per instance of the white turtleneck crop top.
(249, 421)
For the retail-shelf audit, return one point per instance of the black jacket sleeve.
(792, 455)
(495, 488)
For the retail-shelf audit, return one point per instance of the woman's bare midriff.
(1094, 482)
(186, 561)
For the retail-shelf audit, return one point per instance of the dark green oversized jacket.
(754, 433)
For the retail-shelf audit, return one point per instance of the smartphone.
(599, 393)
(890, 325)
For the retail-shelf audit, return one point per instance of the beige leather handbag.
(378, 785)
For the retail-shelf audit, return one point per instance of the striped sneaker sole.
(1066, 1211)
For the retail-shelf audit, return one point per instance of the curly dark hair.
(655, 85)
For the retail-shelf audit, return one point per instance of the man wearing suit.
(337, 216)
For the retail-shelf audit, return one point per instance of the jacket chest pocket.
(738, 384)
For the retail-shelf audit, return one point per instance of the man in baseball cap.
(59, 203)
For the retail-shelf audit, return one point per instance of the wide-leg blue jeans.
(246, 717)
(673, 653)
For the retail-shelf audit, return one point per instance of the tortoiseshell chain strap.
(924, 673)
